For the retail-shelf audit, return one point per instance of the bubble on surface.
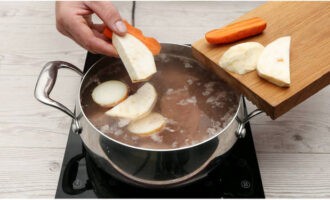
(118, 132)
(169, 91)
(171, 121)
(164, 58)
(209, 88)
(112, 128)
(191, 100)
(214, 128)
(105, 128)
(188, 65)
(169, 129)
(123, 122)
(190, 81)
(135, 138)
(174, 144)
(157, 138)
(216, 100)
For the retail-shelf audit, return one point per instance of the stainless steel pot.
(153, 168)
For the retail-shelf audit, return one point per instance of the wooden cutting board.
(308, 24)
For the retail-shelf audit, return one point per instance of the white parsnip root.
(137, 105)
(110, 93)
(137, 58)
(152, 123)
(241, 58)
(274, 62)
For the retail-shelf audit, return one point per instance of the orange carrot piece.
(236, 31)
(131, 29)
(107, 33)
(152, 44)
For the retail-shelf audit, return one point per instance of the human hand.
(73, 19)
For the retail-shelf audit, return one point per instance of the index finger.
(85, 36)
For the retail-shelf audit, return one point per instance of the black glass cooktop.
(236, 176)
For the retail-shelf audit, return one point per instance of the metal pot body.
(138, 166)
(157, 169)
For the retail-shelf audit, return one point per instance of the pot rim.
(149, 149)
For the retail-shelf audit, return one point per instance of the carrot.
(152, 44)
(131, 29)
(236, 31)
(107, 33)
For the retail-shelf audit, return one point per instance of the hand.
(73, 19)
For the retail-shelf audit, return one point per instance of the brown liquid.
(195, 102)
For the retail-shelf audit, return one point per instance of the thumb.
(109, 15)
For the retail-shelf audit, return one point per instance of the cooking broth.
(196, 104)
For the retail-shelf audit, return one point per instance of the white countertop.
(293, 151)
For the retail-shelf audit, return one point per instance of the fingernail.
(121, 27)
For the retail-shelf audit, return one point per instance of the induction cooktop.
(237, 174)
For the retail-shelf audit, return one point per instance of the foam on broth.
(195, 102)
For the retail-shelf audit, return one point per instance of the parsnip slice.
(137, 58)
(137, 105)
(241, 58)
(274, 62)
(150, 124)
(110, 93)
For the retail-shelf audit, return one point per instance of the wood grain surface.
(293, 151)
(306, 23)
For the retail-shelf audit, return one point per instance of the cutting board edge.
(273, 111)
(301, 95)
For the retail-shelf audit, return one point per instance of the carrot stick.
(107, 33)
(236, 31)
(152, 44)
(131, 29)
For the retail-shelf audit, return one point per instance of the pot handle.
(46, 82)
(241, 131)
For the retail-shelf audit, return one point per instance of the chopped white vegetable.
(241, 58)
(137, 105)
(110, 93)
(274, 62)
(137, 58)
(150, 124)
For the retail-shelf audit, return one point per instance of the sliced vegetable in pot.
(152, 123)
(137, 105)
(110, 93)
